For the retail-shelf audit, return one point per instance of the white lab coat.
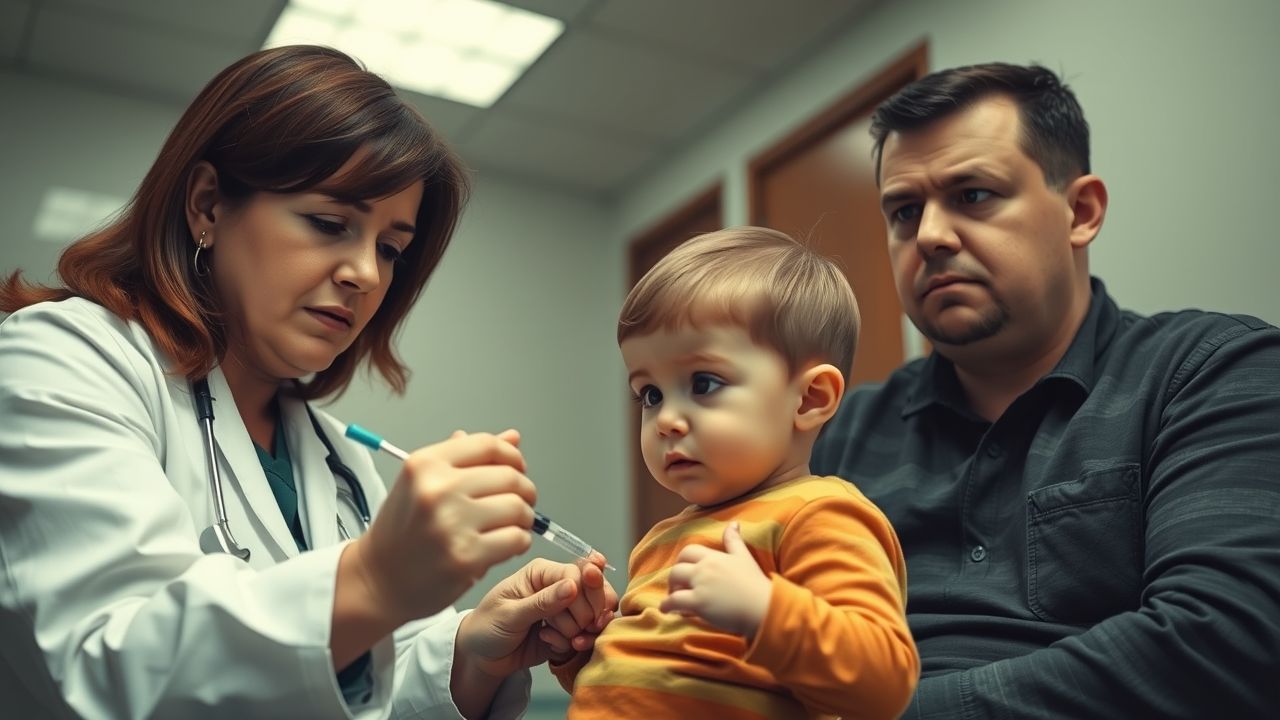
(108, 608)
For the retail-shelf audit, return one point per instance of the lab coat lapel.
(317, 492)
(246, 476)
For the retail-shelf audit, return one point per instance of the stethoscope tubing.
(218, 537)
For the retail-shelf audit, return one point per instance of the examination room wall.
(516, 329)
(1181, 96)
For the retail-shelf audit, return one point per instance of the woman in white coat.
(285, 230)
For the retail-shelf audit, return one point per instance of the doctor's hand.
(507, 630)
(457, 508)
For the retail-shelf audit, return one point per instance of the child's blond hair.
(787, 297)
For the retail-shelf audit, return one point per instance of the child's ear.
(820, 388)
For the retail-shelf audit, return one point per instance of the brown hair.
(282, 120)
(1054, 132)
(787, 297)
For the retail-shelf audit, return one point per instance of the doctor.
(289, 223)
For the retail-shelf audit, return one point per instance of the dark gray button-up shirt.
(1110, 546)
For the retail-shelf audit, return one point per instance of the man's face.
(980, 245)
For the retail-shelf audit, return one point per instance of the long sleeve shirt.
(1110, 546)
(834, 641)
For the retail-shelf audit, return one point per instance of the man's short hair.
(1054, 132)
(787, 297)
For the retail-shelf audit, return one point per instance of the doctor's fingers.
(511, 435)
(494, 546)
(433, 484)
(561, 647)
(471, 449)
(579, 617)
(497, 511)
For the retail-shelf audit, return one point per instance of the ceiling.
(629, 83)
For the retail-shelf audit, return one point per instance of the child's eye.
(706, 383)
(649, 396)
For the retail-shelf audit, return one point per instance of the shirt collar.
(937, 384)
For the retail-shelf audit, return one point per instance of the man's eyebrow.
(964, 176)
(893, 198)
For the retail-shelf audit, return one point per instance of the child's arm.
(566, 671)
(566, 655)
(834, 629)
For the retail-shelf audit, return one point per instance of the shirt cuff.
(941, 696)
(425, 667)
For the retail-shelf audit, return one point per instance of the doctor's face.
(300, 275)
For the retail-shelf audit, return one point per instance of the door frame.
(707, 201)
(856, 104)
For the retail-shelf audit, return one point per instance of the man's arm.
(1205, 641)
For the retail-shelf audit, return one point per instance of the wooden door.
(651, 501)
(818, 185)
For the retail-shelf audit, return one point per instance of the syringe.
(549, 529)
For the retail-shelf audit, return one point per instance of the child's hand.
(574, 630)
(726, 589)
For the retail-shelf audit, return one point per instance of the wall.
(1181, 97)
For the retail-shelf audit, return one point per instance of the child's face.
(718, 412)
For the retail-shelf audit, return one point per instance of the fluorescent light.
(432, 66)
(374, 47)
(338, 8)
(469, 51)
(522, 37)
(298, 26)
(479, 81)
(67, 214)
(464, 24)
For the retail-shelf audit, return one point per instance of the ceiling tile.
(582, 161)
(240, 21)
(125, 54)
(628, 81)
(447, 117)
(618, 85)
(13, 23)
(756, 33)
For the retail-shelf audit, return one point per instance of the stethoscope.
(217, 537)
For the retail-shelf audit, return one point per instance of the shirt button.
(994, 450)
(978, 553)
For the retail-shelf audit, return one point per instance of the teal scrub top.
(356, 680)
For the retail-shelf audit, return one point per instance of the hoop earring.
(201, 268)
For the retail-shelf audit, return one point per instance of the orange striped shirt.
(834, 642)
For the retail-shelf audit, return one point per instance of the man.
(1088, 499)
